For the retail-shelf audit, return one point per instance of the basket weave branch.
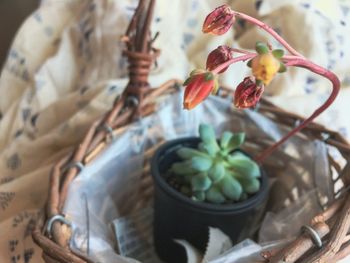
(52, 232)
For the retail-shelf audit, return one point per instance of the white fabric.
(65, 69)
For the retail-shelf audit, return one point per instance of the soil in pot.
(177, 216)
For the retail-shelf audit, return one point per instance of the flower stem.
(303, 63)
(269, 30)
(233, 60)
(298, 61)
(240, 51)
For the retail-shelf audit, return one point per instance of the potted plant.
(191, 191)
(202, 182)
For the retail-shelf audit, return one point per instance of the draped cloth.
(65, 69)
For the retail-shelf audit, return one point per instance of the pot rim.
(239, 207)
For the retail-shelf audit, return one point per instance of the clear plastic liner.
(277, 226)
(107, 188)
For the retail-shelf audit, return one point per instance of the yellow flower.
(265, 67)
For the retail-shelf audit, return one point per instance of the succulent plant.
(216, 172)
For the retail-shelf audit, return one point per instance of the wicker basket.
(52, 232)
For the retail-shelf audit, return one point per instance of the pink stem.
(301, 62)
(268, 30)
(240, 51)
(298, 61)
(233, 60)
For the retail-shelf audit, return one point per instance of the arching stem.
(269, 30)
(237, 50)
(303, 63)
(296, 60)
(234, 60)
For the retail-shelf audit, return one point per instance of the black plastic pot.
(179, 217)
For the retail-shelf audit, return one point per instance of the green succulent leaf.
(231, 188)
(261, 48)
(198, 196)
(211, 148)
(202, 148)
(188, 153)
(201, 164)
(243, 166)
(207, 133)
(278, 53)
(200, 182)
(217, 172)
(182, 168)
(236, 141)
(250, 186)
(215, 196)
(225, 139)
(282, 68)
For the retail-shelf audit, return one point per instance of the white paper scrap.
(134, 236)
(218, 243)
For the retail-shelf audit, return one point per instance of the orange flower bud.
(198, 88)
(247, 93)
(218, 56)
(219, 21)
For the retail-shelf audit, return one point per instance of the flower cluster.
(265, 64)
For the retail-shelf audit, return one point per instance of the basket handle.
(139, 51)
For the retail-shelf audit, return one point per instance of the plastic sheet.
(109, 187)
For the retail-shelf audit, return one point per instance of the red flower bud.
(218, 56)
(198, 88)
(219, 21)
(247, 93)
